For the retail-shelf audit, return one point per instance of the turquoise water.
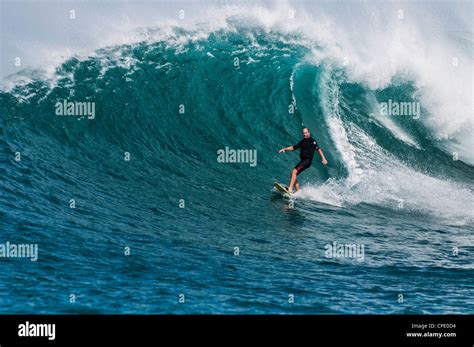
(389, 186)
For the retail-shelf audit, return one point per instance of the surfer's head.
(306, 133)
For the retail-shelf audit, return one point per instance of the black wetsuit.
(307, 148)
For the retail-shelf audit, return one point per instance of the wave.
(235, 81)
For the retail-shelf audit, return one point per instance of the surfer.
(307, 147)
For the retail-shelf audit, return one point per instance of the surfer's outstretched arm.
(323, 158)
(286, 149)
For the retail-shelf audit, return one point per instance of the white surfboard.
(282, 189)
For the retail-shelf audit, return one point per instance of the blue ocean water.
(216, 232)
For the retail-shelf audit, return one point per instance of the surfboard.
(282, 189)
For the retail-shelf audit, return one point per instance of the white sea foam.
(375, 176)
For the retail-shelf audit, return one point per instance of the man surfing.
(307, 147)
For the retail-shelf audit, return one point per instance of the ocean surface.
(158, 225)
